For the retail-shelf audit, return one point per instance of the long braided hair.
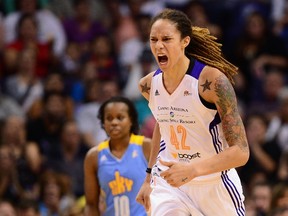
(203, 46)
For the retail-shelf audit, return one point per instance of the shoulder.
(146, 141)
(214, 84)
(92, 154)
(145, 85)
(209, 73)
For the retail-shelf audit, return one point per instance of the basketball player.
(201, 134)
(115, 170)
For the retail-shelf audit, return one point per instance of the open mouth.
(162, 59)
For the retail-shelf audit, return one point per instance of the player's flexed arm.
(215, 88)
(144, 192)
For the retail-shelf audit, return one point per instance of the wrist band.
(148, 170)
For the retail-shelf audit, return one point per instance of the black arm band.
(148, 170)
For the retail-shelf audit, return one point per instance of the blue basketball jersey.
(121, 179)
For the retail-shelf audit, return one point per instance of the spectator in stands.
(279, 13)
(9, 185)
(50, 27)
(120, 22)
(279, 199)
(261, 195)
(64, 9)
(71, 63)
(132, 49)
(257, 50)
(152, 7)
(28, 207)
(55, 194)
(196, 11)
(278, 126)
(78, 90)
(24, 87)
(265, 96)
(28, 161)
(45, 130)
(54, 82)
(7, 208)
(264, 156)
(103, 57)
(8, 106)
(70, 159)
(250, 209)
(26, 38)
(144, 65)
(81, 28)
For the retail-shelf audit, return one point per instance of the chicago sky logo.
(120, 184)
(157, 92)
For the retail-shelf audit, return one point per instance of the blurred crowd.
(59, 60)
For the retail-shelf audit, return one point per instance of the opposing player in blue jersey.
(115, 169)
(201, 134)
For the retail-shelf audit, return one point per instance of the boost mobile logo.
(187, 156)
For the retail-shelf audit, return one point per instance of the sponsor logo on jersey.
(134, 154)
(157, 92)
(173, 120)
(186, 157)
(103, 158)
(178, 109)
(187, 93)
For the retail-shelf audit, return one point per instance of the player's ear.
(185, 41)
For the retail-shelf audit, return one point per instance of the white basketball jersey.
(190, 127)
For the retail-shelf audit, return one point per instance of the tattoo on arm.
(206, 85)
(145, 88)
(231, 121)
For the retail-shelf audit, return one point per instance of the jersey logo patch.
(103, 158)
(134, 154)
(157, 92)
(187, 93)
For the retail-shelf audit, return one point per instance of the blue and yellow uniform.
(121, 179)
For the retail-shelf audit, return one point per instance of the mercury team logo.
(172, 114)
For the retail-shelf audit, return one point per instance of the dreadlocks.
(203, 45)
(206, 49)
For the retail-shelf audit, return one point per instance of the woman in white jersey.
(201, 134)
